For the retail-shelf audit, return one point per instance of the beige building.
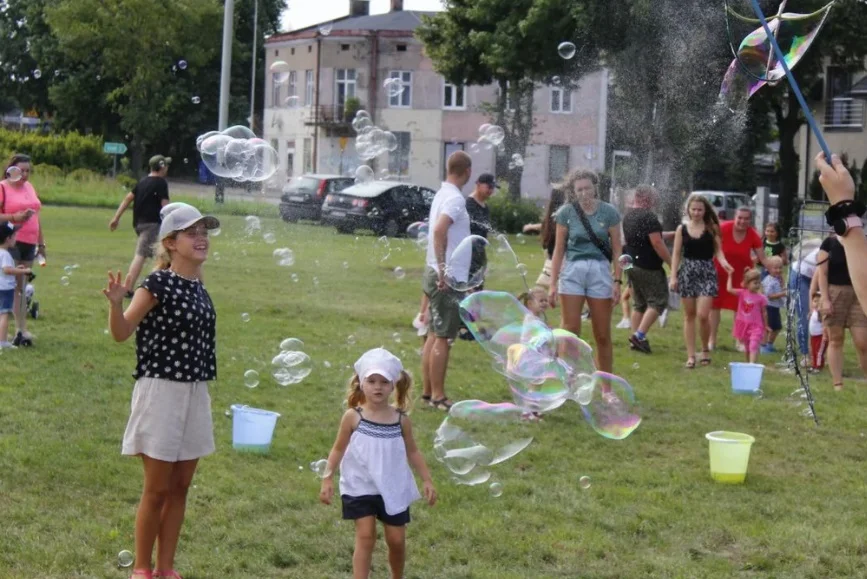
(841, 117)
(305, 121)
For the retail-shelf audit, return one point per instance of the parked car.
(303, 196)
(386, 207)
(773, 206)
(725, 203)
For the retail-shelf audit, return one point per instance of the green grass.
(108, 193)
(68, 498)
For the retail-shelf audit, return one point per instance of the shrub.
(69, 151)
(48, 171)
(509, 216)
(126, 181)
(84, 175)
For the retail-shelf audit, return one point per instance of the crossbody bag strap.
(603, 247)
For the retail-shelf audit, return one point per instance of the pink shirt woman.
(20, 205)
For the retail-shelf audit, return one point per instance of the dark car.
(386, 207)
(303, 196)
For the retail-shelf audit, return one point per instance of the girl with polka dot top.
(170, 425)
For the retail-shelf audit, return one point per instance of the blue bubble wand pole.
(792, 82)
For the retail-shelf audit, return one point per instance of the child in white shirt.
(8, 274)
(818, 335)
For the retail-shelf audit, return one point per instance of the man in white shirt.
(449, 225)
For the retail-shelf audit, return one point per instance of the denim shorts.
(587, 277)
(7, 297)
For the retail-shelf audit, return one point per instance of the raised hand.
(116, 291)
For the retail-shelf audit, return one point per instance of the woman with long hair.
(547, 229)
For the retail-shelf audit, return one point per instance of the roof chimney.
(359, 8)
(397, 5)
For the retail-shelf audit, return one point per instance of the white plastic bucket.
(252, 428)
(746, 378)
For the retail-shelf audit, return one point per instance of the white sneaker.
(5, 345)
(663, 319)
(624, 325)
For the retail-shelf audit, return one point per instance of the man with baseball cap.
(480, 217)
(147, 198)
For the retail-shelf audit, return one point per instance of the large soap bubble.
(237, 153)
(290, 367)
(612, 410)
(417, 229)
(477, 435)
(458, 274)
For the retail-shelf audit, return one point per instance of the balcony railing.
(844, 113)
(332, 115)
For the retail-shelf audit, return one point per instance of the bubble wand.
(781, 56)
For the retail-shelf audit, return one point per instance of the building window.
(448, 149)
(308, 87)
(292, 52)
(401, 47)
(310, 48)
(276, 79)
(454, 96)
(308, 155)
(558, 163)
(344, 47)
(345, 86)
(404, 98)
(293, 84)
(561, 100)
(398, 160)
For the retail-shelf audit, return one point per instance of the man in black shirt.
(147, 198)
(644, 244)
(480, 217)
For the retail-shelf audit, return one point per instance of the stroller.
(32, 305)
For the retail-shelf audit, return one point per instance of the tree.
(513, 44)
(841, 42)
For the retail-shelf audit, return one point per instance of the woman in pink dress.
(20, 205)
(740, 242)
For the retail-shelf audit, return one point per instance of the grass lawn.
(68, 498)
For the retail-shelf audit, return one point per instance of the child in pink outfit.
(751, 319)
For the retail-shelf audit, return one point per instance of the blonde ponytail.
(163, 257)
(355, 395)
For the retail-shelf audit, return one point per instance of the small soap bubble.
(325, 29)
(396, 337)
(320, 468)
(251, 378)
(125, 559)
(496, 489)
(245, 317)
(555, 80)
(350, 340)
(315, 281)
(625, 262)
(216, 232)
(269, 238)
(636, 366)
(293, 102)
(68, 269)
(399, 273)
(294, 277)
(584, 482)
(345, 265)
(182, 64)
(522, 269)
(217, 256)
(327, 364)
(195, 100)
(566, 50)
(37, 74)
(518, 160)
(64, 281)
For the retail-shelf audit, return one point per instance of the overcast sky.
(302, 13)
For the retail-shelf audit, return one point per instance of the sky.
(303, 13)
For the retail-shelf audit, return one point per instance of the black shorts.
(371, 506)
(775, 322)
(23, 251)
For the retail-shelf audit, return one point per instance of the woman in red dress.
(740, 242)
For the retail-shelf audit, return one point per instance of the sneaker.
(623, 324)
(663, 319)
(585, 315)
(771, 349)
(23, 339)
(640, 344)
(767, 349)
(7, 345)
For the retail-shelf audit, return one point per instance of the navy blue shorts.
(775, 322)
(23, 251)
(7, 297)
(371, 506)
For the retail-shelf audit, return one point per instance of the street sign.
(342, 141)
(114, 148)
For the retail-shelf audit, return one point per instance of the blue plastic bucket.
(746, 378)
(252, 428)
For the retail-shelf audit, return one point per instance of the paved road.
(191, 189)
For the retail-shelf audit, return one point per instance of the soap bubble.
(518, 160)
(474, 148)
(245, 317)
(195, 100)
(612, 411)
(294, 277)
(396, 337)
(290, 344)
(293, 101)
(496, 489)
(566, 50)
(584, 482)
(555, 80)
(182, 64)
(325, 29)
(280, 66)
(291, 367)
(345, 265)
(37, 74)
(625, 262)
(14, 174)
(285, 257)
(280, 78)
(251, 378)
(522, 269)
(457, 271)
(417, 229)
(477, 435)
(350, 339)
(216, 256)
(320, 468)
(483, 129)
(269, 238)
(495, 135)
(236, 153)
(125, 559)
(393, 87)
(363, 174)
(399, 273)
(360, 123)
(64, 281)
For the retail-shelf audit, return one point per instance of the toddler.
(818, 335)
(773, 287)
(751, 319)
(8, 274)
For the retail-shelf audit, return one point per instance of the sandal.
(141, 574)
(705, 358)
(690, 363)
(838, 387)
(442, 404)
(425, 398)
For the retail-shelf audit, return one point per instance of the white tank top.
(815, 324)
(375, 463)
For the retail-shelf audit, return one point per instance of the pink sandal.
(141, 574)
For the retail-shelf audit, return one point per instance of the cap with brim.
(487, 179)
(7, 230)
(179, 216)
(158, 161)
(379, 361)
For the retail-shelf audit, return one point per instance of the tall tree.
(513, 44)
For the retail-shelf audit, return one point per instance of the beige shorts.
(169, 421)
(147, 237)
(846, 311)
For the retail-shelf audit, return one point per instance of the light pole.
(614, 155)
(226, 69)
(253, 74)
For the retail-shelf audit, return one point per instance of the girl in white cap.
(375, 449)
(170, 420)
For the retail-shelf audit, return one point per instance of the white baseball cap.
(178, 216)
(379, 361)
